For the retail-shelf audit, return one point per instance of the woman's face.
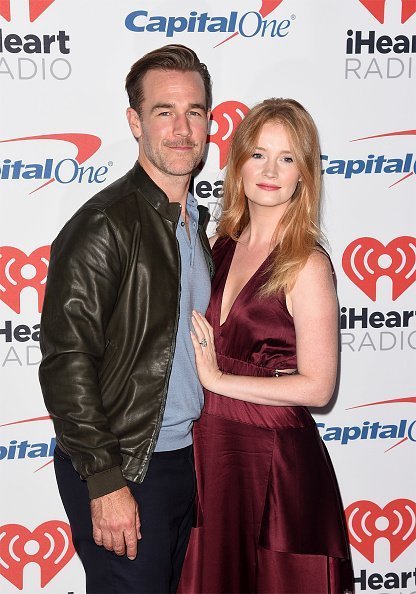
(270, 175)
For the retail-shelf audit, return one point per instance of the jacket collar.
(149, 191)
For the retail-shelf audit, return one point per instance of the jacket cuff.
(105, 482)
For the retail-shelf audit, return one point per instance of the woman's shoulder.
(319, 248)
(318, 268)
(324, 258)
(319, 256)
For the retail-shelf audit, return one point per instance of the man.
(118, 370)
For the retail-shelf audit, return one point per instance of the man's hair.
(170, 57)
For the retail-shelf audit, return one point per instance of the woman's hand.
(205, 356)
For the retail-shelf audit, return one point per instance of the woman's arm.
(314, 308)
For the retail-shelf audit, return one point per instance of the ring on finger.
(203, 342)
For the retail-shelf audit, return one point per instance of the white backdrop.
(64, 136)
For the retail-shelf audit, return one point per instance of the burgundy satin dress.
(269, 512)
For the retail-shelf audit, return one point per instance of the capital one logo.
(267, 6)
(366, 259)
(49, 545)
(226, 117)
(36, 8)
(367, 522)
(402, 429)
(86, 145)
(378, 8)
(18, 271)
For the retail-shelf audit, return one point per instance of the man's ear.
(134, 122)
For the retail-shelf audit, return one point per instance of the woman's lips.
(268, 187)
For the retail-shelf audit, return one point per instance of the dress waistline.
(258, 415)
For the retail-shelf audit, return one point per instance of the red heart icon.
(49, 545)
(367, 522)
(366, 259)
(227, 116)
(377, 9)
(18, 271)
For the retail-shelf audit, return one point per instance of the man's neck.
(174, 186)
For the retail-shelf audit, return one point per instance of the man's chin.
(181, 173)
(182, 169)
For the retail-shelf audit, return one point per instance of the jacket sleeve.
(81, 291)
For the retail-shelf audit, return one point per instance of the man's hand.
(116, 522)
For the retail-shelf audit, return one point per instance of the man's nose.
(182, 126)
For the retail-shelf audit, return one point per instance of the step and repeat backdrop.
(64, 136)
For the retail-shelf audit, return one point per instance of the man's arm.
(81, 291)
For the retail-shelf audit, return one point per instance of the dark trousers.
(165, 500)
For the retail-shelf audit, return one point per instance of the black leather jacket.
(108, 328)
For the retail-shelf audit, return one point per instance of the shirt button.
(183, 224)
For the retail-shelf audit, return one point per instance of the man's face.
(172, 127)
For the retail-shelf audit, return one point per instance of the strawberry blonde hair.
(298, 232)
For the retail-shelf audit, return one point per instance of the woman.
(270, 517)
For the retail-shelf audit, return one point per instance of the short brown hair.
(170, 57)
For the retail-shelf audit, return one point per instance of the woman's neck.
(262, 229)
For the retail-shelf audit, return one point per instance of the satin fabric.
(269, 512)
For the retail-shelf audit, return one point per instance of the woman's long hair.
(298, 232)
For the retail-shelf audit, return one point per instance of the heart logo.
(367, 522)
(378, 7)
(18, 271)
(36, 8)
(49, 545)
(366, 259)
(227, 116)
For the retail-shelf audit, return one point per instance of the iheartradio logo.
(49, 545)
(378, 8)
(227, 116)
(36, 8)
(366, 259)
(18, 271)
(367, 522)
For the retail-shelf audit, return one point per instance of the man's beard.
(178, 166)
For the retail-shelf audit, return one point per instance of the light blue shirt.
(185, 396)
